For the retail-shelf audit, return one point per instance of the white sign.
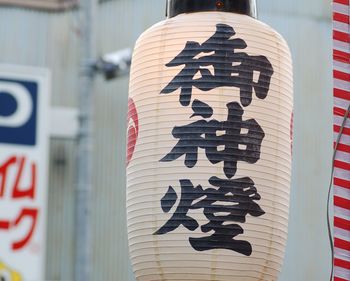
(24, 112)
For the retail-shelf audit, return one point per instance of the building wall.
(29, 37)
(52, 40)
(55, 5)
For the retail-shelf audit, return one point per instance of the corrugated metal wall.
(41, 4)
(37, 38)
(52, 40)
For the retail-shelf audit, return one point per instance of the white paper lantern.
(209, 148)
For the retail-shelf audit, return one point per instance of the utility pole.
(83, 245)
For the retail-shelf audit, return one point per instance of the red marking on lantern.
(133, 130)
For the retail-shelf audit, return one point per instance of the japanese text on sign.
(15, 191)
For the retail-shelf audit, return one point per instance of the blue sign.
(18, 112)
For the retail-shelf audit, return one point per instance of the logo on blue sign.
(18, 112)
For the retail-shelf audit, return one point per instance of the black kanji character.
(231, 68)
(229, 201)
(211, 135)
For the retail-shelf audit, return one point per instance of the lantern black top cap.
(176, 7)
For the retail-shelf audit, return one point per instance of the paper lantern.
(209, 147)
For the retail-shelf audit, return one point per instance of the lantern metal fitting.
(245, 7)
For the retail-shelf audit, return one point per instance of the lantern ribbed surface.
(209, 150)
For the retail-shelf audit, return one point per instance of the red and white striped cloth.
(341, 73)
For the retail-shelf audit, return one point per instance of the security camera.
(114, 64)
(119, 57)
